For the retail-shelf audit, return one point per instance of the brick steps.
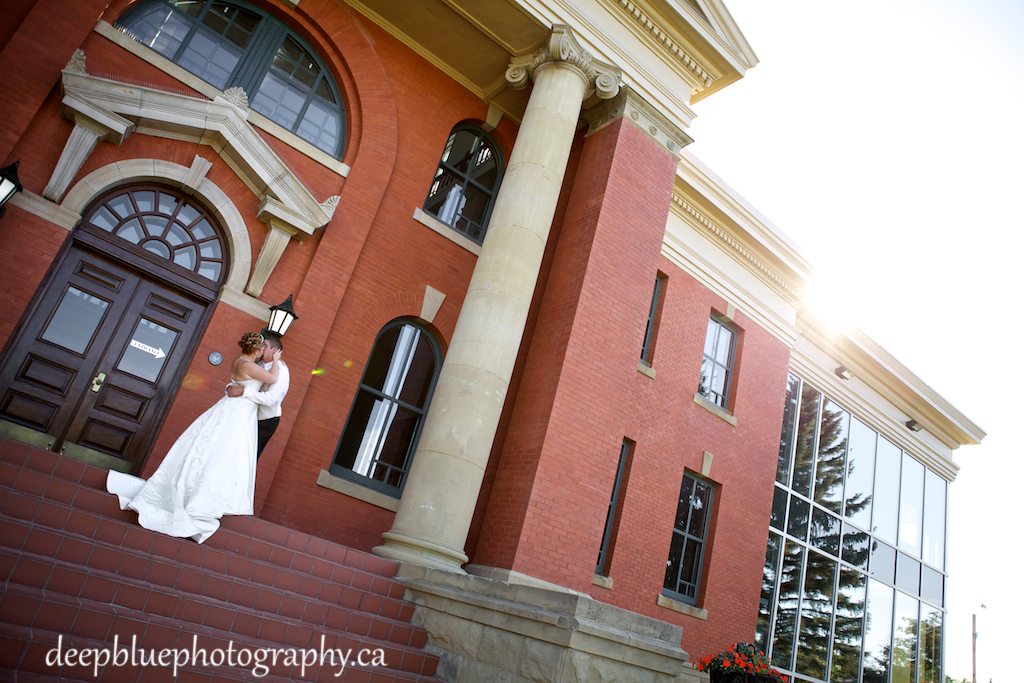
(73, 564)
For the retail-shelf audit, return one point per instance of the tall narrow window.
(380, 437)
(716, 370)
(233, 44)
(604, 555)
(466, 182)
(647, 351)
(689, 538)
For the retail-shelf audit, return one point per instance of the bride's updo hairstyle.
(251, 342)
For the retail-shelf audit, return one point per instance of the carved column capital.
(563, 48)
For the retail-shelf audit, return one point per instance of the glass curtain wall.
(854, 577)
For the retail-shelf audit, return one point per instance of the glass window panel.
(883, 562)
(848, 632)
(931, 645)
(188, 215)
(860, 473)
(710, 338)
(160, 29)
(904, 641)
(132, 231)
(799, 518)
(398, 430)
(831, 466)
(779, 509)
(215, 18)
(324, 90)
(122, 205)
(767, 603)
(689, 568)
(911, 505)
(145, 200)
(855, 546)
(816, 615)
(878, 633)
(75, 321)
(237, 35)
(210, 271)
(934, 544)
(202, 230)
(445, 199)
(167, 204)
(210, 249)
(485, 171)
(177, 236)
(157, 247)
(105, 219)
(155, 225)
(147, 350)
(291, 51)
(306, 77)
(908, 574)
(186, 257)
(718, 380)
(683, 507)
(787, 605)
(825, 531)
(700, 504)
(803, 466)
(707, 371)
(886, 499)
(474, 204)
(675, 554)
(316, 116)
(931, 586)
(788, 431)
(458, 152)
(724, 346)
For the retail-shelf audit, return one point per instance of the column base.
(402, 548)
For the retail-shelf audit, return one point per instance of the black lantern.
(281, 317)
(8, 184)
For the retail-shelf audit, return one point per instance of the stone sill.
(714, 409)
(603, 581)
(354, 490)
(446, 231)
(645, 369)
(682, 608)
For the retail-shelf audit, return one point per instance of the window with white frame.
(717, 366)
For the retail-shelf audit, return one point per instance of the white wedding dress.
(209, 472)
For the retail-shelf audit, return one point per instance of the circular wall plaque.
(216, 358)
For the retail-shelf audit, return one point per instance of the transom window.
(716, 370)
(235, 45)
(166, 225)
(378, 442)
(689, 537)
(466, 182)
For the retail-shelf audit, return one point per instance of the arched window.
(231, 44)
(383, 427)
(466, 182)
(166, 225)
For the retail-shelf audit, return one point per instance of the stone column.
(437, 504)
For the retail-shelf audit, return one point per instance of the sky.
(887, 139)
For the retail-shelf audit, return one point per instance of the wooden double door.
(92, 371)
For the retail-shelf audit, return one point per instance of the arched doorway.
(101, 352)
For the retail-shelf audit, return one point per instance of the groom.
(269, 400)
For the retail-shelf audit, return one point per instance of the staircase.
(78, 571)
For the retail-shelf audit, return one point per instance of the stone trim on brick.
(714, 409)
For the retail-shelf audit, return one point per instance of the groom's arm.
(275, 394)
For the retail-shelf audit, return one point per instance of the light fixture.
(8, 184)
(281, 316)
(844, 372)
(913, 425)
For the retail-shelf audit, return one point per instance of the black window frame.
(345, 472)
(647, 350)
(604, 554)
(722, 401)
(445, 167)
(256, 60)
(675, 594)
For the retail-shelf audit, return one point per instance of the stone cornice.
(562, 47)
(654, 124)
(686, 210)
(701, 76)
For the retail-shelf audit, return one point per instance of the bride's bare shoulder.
(238, 369)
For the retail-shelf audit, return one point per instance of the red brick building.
(530, 325)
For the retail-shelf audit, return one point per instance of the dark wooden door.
(95, 366)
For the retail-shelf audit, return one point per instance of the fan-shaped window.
(383, 427)
(466, 182)
(167, 225)
(230, 44)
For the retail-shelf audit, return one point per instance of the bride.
(210, 470)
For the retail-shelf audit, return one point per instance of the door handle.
(97, 381)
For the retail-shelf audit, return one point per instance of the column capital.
(562, 47)
(645, 116)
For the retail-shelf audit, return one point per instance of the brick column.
(437, 504)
